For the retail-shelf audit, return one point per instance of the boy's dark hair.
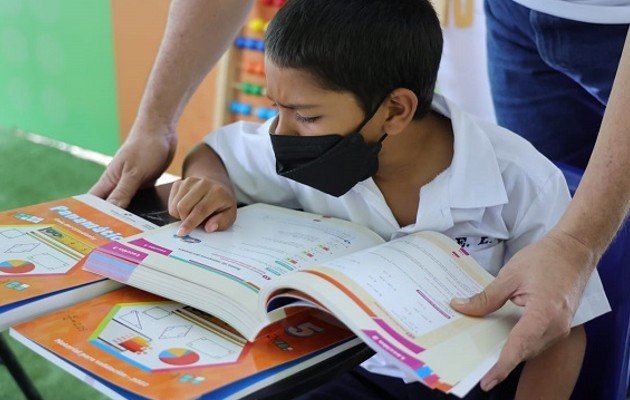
(366, 47)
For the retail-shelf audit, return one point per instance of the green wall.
(57, 75)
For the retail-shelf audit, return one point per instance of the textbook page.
(223, 272)
(396, 298)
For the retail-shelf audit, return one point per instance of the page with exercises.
(396, 297)
(264, 244)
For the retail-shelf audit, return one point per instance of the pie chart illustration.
(16, 266)
(178, 356)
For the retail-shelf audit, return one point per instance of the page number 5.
(305, 329)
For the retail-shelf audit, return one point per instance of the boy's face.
(306, 109)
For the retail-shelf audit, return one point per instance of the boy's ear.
(401, 106)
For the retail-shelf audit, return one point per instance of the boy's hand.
(194, 199)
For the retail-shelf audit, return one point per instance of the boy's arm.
(205, 193)
(197, 33)
(553, 373)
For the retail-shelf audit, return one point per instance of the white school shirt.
(592, 11)
(497, 196)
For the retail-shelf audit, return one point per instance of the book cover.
(42, 248)
(155, 348)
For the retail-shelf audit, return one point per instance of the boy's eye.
(307, 120)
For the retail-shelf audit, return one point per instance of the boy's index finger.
(193, 220)
(203, 210)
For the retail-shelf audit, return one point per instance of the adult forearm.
(197, 33)
(602, 199)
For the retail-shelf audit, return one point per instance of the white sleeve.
(543, 206)
(545, 210)
(246, 152)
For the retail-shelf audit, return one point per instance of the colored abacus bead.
(249, 43)
(266, 2)
(256, 25)
(265, 112)
(253, 67)
(279, 3)
(249, 67)
(240, 108)
(256, 90)
(240, 42)
(250, 88)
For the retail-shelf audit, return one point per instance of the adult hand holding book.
(549, 297)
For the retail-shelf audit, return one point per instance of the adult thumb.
(493, 297)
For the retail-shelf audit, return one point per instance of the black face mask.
(332, 164)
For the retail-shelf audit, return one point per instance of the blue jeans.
(551, 77)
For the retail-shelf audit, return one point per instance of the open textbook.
(41, 250)
(394, 296)
(131, 344)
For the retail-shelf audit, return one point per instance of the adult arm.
(197, 33)
(550, 294)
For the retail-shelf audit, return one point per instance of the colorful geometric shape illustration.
(136, 344)
(11, 233)
(49, 261)
(22, 248)
(39, 250)
(178, 331)
(16, 266)
(158, 336)
(16, 285)
(179, 356)
(157, 313)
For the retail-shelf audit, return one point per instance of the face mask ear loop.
(371, 115)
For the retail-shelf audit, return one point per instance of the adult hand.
(143, 157)
(547, 278)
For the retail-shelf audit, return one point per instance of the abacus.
(241, 75)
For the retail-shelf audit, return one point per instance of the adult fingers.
(489, 300)
(103, 187)
(524, 341)
(125, 189)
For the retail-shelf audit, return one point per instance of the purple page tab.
(399, 338)
(393, 350)
(125, 252)
(151, 246)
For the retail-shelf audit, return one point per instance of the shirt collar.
(475, 178)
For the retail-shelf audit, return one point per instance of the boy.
(361, 136)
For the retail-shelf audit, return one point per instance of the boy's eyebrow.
(293, 106)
